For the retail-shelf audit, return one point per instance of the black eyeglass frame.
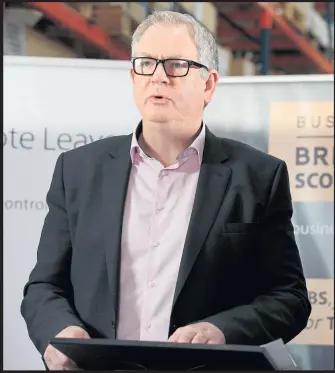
(190, 63)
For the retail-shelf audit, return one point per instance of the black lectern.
(106, 354)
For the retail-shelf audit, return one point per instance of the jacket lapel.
(116, 173)
(212, 184)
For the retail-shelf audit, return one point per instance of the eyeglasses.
(173, 67)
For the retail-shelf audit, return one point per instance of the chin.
(159, 117)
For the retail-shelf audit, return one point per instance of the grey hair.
(207, 48)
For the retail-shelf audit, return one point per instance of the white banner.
(53, 105)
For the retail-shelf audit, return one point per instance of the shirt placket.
(152, 280)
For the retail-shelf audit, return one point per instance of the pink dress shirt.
(157, 212)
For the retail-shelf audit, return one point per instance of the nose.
(159, 75)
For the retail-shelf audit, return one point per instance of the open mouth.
(158, 99)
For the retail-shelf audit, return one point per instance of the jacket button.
(113, 324)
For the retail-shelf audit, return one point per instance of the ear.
(210, 85)
(132, 75)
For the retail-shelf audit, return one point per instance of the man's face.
(186, 96)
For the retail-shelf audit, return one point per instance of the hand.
(54, 359)
(202, 332)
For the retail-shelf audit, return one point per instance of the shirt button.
(148, 326)
(156, 244)
(161, 207)
(152, 284)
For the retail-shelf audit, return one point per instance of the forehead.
(164, 41)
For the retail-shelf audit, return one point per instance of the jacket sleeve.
(47, 306)
(282, 308)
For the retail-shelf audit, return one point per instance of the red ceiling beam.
(242, 15)
(226, 31)
(320, 6)
(288, 60)
(253, 47)
(62, 14)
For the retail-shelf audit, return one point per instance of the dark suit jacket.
(240, 268)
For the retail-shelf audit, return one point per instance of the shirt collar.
(197, 145)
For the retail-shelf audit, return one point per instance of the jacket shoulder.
(98, 147)
(249, 155)
(80, 162)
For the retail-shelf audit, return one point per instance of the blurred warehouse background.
(255, 38)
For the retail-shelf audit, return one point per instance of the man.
(169, 234)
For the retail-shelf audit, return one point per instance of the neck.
(164, 143)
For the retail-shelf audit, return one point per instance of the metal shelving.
(67, 17)
(242, 26)
(260, 28)
(321, 62)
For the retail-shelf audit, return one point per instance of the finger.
(199, 338)
(57, 368)
(213, 342)
(49, 365)
(56, 360)
(174, 336)
(54, 366)
(52, 362)
(66, 366)
(186, 336)
(70, 365)
(71, 368)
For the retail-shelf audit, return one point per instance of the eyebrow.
(165, 57)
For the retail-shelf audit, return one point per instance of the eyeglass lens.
(146, 66)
